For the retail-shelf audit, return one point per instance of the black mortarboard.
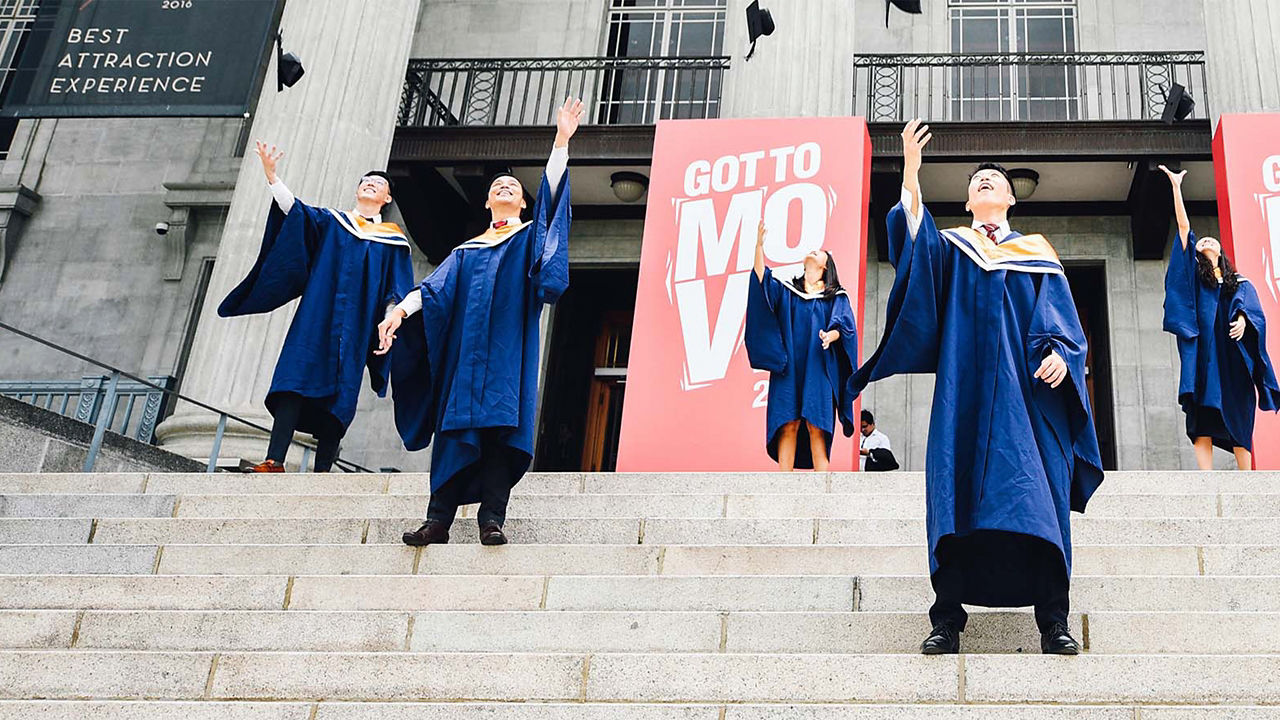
(288, 67)
(906, 6)
(1177, 105)
(759, 22)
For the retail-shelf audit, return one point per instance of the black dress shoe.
(432, 532)
(1058, 641)
(491, 534)
(943, 640)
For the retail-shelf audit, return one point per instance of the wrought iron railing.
(135, 411)
(109, 401)
(527, 91)
(1025, 87)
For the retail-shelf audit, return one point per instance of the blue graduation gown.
(472, 361)
(347, 272)
(1008, 456)
(805, 382)
(1222, 380)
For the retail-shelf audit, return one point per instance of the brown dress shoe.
(267, 466)
(432, 532)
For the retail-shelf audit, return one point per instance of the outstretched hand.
(761, 232)
(270, 158)
(1053, 370)
(387, 331)
(568, 117)
(1174, 177)
(914, 137)
(1236, 329)
(828, 337)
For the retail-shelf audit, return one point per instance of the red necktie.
(991, 231)
(500, 224)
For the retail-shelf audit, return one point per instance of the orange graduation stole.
(1022, 253)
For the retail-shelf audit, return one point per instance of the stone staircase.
(622, 597)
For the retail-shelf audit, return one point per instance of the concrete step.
(397, 559)
(638, 677)
(173, 710)
(618, 631)
(388, 559)
(878, 593)
(1149, 482)
(1086, 530)
(829, 505)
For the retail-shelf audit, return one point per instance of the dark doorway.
(587, 372)
(1089, 290)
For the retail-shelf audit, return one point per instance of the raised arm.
(760, 233)
(270, 158)
(568, 117)
(1179, 207)
(914, 137)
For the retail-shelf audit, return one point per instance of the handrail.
(116, 373)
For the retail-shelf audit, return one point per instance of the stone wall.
(33, 439)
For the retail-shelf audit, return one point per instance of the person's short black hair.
(505, 172)
(391, 184)
(868, 418)
(993, 166)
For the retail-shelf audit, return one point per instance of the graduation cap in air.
(1177, 105)
(289, 68)
(759, 22)
(906, 6)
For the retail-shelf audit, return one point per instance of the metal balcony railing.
(527, 91)
(1025, 87)
(136, 407)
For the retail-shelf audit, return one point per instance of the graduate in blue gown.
(347, 268)
(1012, 448)
(1222, 343)
(465, 375)
(802, 331)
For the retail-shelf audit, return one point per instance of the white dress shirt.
(556, 166)
(873, 441)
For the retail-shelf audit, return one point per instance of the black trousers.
(948, 586)
(287, 412)
(492, 471)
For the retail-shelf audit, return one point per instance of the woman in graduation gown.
(1222, 343)
(802, 331)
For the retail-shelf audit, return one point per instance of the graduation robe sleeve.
(846, 352)
(552, 216)
(415, 355)
(1055, 327)
(765, 347)
(912, 319)
(397, 282)
(1180, 290)
(289, 246)
(1253, 346)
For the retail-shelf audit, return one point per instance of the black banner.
(143, 58)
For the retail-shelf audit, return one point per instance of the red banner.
(693, 403)
(1246, 161)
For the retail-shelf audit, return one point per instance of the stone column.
(804, 68)
(1242, 58)
(333, 125)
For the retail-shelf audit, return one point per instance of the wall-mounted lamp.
(1025, 181)
(628, 186)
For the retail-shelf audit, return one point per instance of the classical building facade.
(445, 91)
